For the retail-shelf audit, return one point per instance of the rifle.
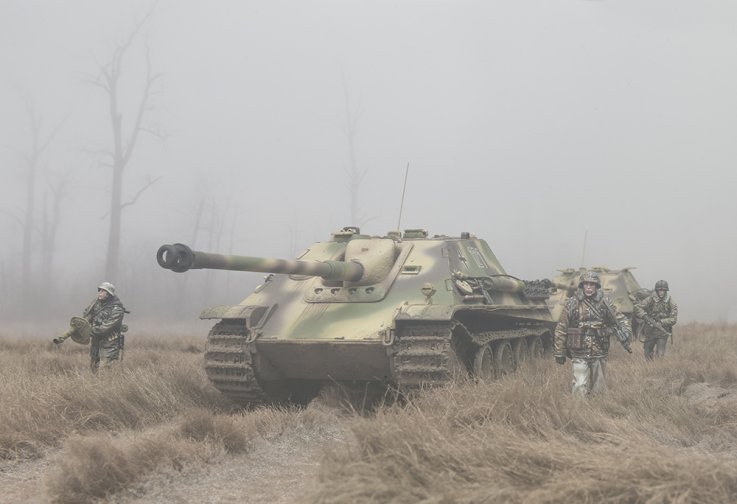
(121, 337)
(658, 327)
(619, 332)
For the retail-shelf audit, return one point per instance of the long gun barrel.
(180, 258)
(622, 335)
(658, 326)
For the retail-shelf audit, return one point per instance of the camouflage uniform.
(583, 333)
(662, 310)
(106, 319)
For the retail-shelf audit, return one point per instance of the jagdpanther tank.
(402, 310)
(620, 284)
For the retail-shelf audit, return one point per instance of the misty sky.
(529, 123)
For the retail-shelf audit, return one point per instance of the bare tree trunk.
(215, 238)
(183, 283)
(113, 244)
(122, 147)
(32, 158)
(29, 223)
(355, 176)
(51, 219)
(233, 231)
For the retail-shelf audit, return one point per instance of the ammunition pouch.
(575, 338)
(602, 338)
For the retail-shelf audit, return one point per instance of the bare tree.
(57, 185)
(355, 174)
(123, 145)
(8, 270)
(31, 159)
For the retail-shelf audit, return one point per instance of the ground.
(278, 470)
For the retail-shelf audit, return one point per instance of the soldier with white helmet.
(660, 314)
(586, 323)
(105, 317)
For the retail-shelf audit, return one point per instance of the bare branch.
(155, 133)
(96, 152)
(13, 216)
(54, 132)
(150, 79)
(138, 194)
(140, 24)
(16, 150)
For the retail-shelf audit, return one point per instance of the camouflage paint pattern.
(305, 323)
(618, 284)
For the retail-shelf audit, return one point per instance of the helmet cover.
(590, 276)
(107, 287)
(661, 284)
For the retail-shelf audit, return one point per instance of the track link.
(229, 362)
(423, 356)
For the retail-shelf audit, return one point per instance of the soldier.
(660, 314)
(105, 315)
(585, 325)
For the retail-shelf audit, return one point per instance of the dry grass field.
(154, 430)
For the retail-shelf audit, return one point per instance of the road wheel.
(521, 351)
(537, 351)
(548, 348)
(483, 364)
(503, 359)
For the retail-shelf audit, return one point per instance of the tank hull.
(425, 346)
(324, 361)
(619, 284)
(424, 312)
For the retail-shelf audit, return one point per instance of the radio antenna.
(583, 253)
(404, 189)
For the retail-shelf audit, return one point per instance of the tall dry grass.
(107, 434)
(526, 439)
(650, 437)
(104, 466)
(48, 393)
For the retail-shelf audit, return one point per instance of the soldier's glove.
(57, 341)
(628, 348)
(560, 359)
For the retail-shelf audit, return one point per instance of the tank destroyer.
(405, 310)
(619, 284)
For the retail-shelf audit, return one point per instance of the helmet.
(107, 287)
(661, 284)
(589, 276)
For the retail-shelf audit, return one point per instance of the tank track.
(229, 362)
(423, 356)
(483, 338)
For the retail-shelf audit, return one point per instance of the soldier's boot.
(107, 364)
(649, 348)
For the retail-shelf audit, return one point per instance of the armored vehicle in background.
(621, 285)
(404, 310)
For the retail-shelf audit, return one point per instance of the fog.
(567, 132)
